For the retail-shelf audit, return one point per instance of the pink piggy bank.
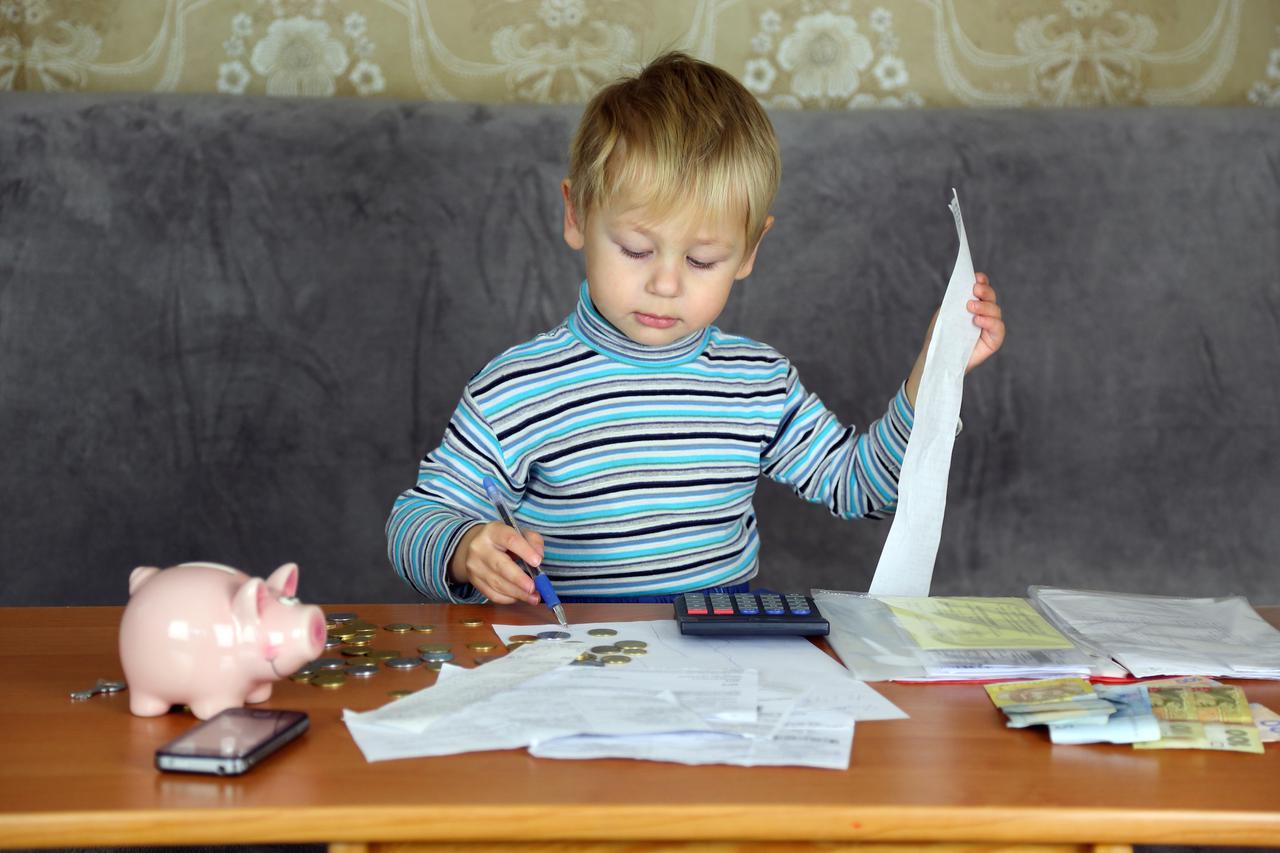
(212, 637)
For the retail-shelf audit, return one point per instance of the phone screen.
(231, 741)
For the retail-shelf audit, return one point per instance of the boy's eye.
(701, 265)
(631, 254)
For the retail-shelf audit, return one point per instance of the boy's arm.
(429, 522)
(854, 474)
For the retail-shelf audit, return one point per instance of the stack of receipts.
(1163, 635)
(910, 638)
(693, 700)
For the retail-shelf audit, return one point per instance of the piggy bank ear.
(139, 576)
(249, 602)
(284, 580)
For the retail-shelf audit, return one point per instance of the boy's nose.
(665, 281)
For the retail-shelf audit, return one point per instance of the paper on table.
(906, 562)
(788, 663)
(419, 710)
(565, 702)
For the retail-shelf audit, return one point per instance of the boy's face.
(658, 280)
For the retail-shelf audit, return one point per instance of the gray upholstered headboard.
(230, 327)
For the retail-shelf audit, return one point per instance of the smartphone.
(232, 741)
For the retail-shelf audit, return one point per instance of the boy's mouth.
(655, 321)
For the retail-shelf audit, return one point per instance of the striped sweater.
(637, 464)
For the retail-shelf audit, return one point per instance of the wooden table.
(81, 773)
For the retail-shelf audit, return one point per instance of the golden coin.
(424, 629)
(398, 694)
(585, 656)
(329, 679)
(522, 638)
(360, 642)
(399, 627)
(341, 635)
(615, 659)
(483, 646)
(630, 644)
(382, 654)
(433, 665)
(636, 652)
(354, 651)
(302, 675)
(604, 650)
(602, 632)
(472, 623)
(361, 626)
(433, 649)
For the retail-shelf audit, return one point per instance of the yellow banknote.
(1042, 691)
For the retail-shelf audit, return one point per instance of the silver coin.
(340, 617)
(553, 635)
(329, 663)
(586, 663)
(404, 663)
(436, 657)
(363, 670)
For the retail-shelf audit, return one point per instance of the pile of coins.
(350, 652)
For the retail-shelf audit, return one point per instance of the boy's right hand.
(484, 559)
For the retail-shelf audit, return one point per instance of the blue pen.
(540, 581)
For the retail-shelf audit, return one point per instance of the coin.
(636, 652)
(434, 665)
(399, 694)
(436, 657)
(363, 670)
(604, 650)
(630, 644)
(360, 641)
(472, 623)
(435, 647)
(592, 662)
(329, 663)
(553, 635)
(586, 655)
(602, 632)
(355, 651)
(399, 627)
(340, 617)
(615, 659)
(361, 626)
(329, 680)
(522, 638)
(382, 654)
(424, 629)
(483, 646)
(304, 674)
(403, 663)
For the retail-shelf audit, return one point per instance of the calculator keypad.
(748, 613)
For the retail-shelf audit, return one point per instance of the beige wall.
(792, 53)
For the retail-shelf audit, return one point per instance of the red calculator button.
(697, 611)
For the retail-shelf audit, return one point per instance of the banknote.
(1132, 722)
(1185, 734)
(1094, 711)
(1040, 691)
(1219, 704)
(1268, 722)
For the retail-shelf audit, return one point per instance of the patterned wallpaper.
(823, 54)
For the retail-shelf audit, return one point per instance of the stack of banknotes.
(1172, 713)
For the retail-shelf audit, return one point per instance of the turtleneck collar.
(590, 327)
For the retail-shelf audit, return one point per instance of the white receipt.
(906, 563)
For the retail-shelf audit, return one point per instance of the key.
(102, 686)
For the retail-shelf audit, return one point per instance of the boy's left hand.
(987, 317)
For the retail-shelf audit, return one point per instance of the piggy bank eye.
(288, 600)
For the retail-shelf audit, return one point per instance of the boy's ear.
(572, 226)
(745, 269)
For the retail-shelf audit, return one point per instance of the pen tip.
(559, 611)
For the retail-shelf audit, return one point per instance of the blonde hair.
(680, 133)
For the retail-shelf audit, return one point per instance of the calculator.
(752, 614)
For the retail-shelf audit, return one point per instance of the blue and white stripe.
(637, 464)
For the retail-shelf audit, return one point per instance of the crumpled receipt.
(906, 563)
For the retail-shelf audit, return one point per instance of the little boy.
(630, 437)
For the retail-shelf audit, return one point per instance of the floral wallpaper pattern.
(803, 54)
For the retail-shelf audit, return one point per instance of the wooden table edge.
(499, 824)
